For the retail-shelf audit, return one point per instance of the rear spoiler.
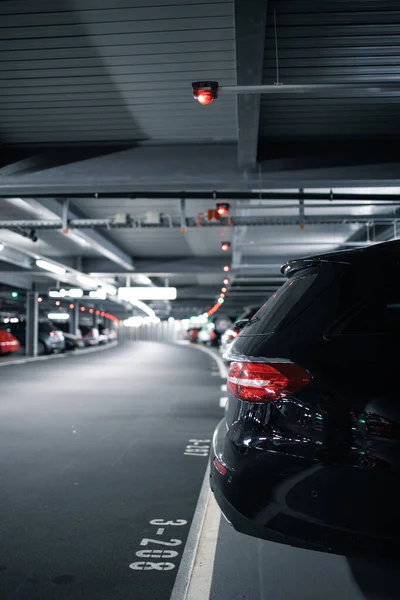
(293, 266)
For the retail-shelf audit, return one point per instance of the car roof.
(346, 256)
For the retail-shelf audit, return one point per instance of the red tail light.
(261, 382)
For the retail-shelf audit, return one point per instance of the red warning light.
(225, 246)
(205, 91)
(224, 290)
(226, 281)
(223, 209)
(227, 268)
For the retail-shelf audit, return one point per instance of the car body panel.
(319, 468)
(8, 342)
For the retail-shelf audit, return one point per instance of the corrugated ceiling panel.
(324, 42)
(111, 71)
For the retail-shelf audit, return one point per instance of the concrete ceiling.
(96, 106)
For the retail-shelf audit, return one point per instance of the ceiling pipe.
(173, 222)
(219, 195)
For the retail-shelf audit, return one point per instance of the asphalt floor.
(102, 457)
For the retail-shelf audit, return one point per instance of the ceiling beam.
(250, 22)
(98, 241)
(160, 267)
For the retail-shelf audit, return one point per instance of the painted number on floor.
(158, 559)
(197, 448)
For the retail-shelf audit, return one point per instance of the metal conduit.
(173, 222)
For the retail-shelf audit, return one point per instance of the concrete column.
(74, 319)
(95, 318)
(32, 323)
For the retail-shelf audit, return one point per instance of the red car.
(8, 343)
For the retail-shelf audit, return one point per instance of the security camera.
(205, 92)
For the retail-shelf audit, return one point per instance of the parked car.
(50, 339)
(8, 342)
(90, 335)
(74, 342)
(104, 334)
(230, 334)
(308, 453)
(193, 334)
(207, 334)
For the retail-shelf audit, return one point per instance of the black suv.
(308, 453)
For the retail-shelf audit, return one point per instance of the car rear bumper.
(263, 506)
(56, 346)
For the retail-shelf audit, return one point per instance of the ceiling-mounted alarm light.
(225, 246)
(223, 209)
(205, 92)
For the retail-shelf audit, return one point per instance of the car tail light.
(219, 466)
(378, 426)
(52, 334)
(263, 382)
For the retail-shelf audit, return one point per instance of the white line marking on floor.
(188, 572)
(21, 361)
(224, 387)
(223, 401)
(160, 531)
(201, 579)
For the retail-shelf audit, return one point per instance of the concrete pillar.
(32, 323)
(74, 319)
(95, 318)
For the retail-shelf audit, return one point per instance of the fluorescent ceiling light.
(14, 320)
(144, 307)
(98, 294)
(48, 266)
(1, 247)
(110, 289)
(146, 293)
(58, 316)
(87, 281)
(66, 293)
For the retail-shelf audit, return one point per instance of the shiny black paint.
(320, 469)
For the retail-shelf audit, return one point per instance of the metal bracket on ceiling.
(64, 216)
(183, 215)
(301, 208)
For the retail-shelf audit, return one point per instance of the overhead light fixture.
(226, 281)
(222, 295)
(227, 268)
(110, 289)
(66, 293)
(224, 290)
(1, 247)
(87, 281)
(98, 294)
(225, 246)
(146, 293)
(48, 266)
(223, 208)
(220, 300)
(58, 316)
(205, 92)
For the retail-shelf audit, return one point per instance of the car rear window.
(379, 316)
(272, 313)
